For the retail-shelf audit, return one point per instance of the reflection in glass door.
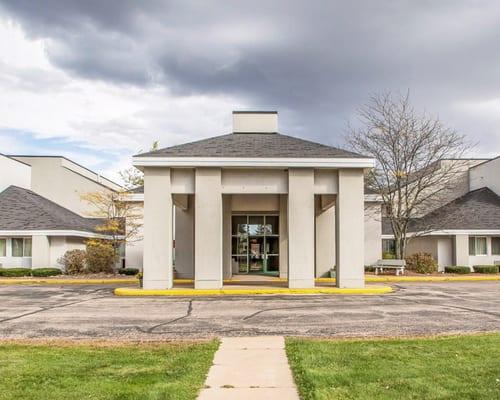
(255, 244)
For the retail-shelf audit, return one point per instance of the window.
(3, 247)
(21, 247)
(388, 246)
(495, 246)
(477, 246)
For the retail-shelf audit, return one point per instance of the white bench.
(397, 265)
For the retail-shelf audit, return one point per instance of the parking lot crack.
(153, 328)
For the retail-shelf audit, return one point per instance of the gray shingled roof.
(261, 145)
(478, 209)
(22, 209)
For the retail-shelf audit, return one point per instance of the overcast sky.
(98, 81)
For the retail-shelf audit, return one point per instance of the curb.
(64, 281)
(372, 290)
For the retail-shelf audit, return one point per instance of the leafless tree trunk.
(417, 159)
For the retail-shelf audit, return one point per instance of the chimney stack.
(255, 121)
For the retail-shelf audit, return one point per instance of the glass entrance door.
(255, 244)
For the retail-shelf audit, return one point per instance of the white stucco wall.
(13, 172)
(64, 186)
(46, 252)
(486, 174)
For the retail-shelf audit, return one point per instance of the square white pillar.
(208, 258)
(461, 247)
(158, 229)
(226, 232)
(40, 251)
(283, 233)
(301, 228)
(350, 227)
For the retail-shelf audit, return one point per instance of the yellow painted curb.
(373, 290)
(420, 278)
(64, 281)
(430, 278)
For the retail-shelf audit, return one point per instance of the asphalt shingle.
(22, 209)
(254, 145)
(478, 209)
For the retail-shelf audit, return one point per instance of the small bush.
(486, 269)
(128, 271)
(73, 261)
(369, 268)
(422, 263)
(101, 256)
(46, 272)
(386, 255)
(457, 269)
(15, 272)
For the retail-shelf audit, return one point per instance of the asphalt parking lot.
(85, 312)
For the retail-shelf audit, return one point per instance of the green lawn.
(465, 367)
(142, 371)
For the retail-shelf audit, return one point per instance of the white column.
(350, 229)
(283, 236)
(40, 251)
(158, 229)
(300, 228)
(226, 235)
(208, 229)
(461, 250)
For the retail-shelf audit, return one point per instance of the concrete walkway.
(250, 368)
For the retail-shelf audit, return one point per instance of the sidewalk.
(250, 368)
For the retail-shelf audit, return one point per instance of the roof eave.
(237, 162)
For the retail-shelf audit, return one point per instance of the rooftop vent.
(255, 121)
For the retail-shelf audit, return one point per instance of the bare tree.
(417, 160)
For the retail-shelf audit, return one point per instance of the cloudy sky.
(98, 80)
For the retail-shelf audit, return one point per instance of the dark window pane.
(273, 263)
(272, 245)
(472, 246)
(272, 225)
(239, 224)
(495, 246)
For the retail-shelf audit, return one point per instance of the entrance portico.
(254, 202)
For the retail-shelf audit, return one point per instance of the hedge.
(128, 271)
(15, 272)
(46, 272)
(486, 269)
(457, 269)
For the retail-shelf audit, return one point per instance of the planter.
(333, 273)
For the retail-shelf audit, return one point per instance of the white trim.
(448, 232)
(237, 162)
(26, 233)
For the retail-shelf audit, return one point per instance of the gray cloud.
(313, 61)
